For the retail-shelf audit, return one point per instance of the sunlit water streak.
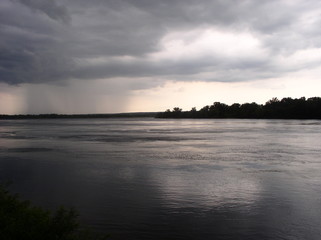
(172, 179)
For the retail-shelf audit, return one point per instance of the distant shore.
(80, 116)
(287, 108)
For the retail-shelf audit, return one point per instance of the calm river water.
(172, 179)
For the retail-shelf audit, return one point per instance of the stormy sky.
(79, 56)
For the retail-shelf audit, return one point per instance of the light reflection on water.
(172, 179)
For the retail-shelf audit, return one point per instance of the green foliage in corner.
(19, 220)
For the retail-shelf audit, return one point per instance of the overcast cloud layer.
(203, 40)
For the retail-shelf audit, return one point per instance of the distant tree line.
(287, 108)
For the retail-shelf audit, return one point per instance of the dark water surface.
(172, 179)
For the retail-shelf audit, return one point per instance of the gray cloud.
(43, 41)
(50, 8)
(30, 46)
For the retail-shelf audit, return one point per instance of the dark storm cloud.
(171, 69)
(43, 41)
(50, 8)
(30, 44)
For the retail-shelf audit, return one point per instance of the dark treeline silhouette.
(287, 108)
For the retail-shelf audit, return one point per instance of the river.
(172, 179)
